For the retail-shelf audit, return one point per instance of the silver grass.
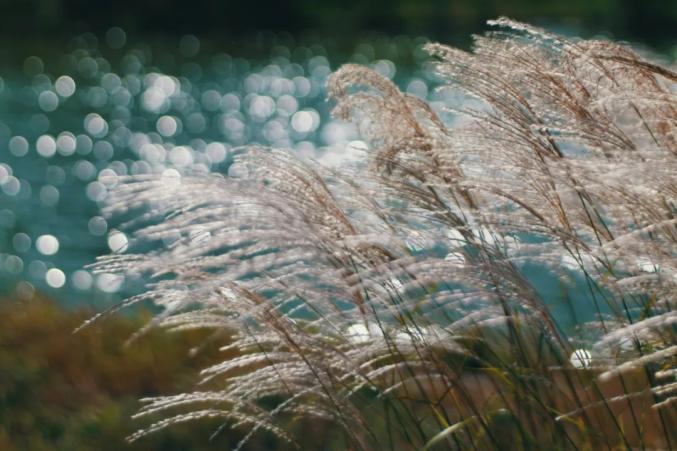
(341, 305)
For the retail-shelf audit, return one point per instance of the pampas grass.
(392, 298)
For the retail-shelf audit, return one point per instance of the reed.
(395, 297)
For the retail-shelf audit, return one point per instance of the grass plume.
(393, 298)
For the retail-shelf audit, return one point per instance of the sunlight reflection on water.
(68, 130)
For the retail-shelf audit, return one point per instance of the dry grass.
(392, 297)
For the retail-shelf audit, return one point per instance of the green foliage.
(71, 392)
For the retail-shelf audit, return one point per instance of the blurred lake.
(73, 121)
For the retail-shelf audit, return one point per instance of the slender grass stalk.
(394, 298)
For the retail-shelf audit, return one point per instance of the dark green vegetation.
(60, 391)
(649, 21)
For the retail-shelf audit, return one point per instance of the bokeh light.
(112, 107)
(47, 244)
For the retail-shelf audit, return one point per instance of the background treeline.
(649, 21)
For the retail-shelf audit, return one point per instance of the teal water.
(73, 120)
